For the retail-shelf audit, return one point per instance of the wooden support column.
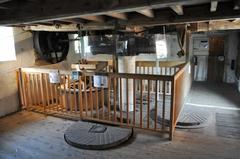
(188, 34)
(115, 56)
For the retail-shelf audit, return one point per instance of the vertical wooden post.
(74, 96)
(134, 102)
(51, 94)
(121, 103)
(20, 82)
(91, 95)
(156, 105)
(29, 91)
(80, 97)
(37, 89)
(109, 98)
(69, 107)
(85, 95)
(127, 101)
(102, 102)
(115, 98)
(47, 90)
(25, 89)
(172, 110)
(33, 89)
(97, 101)
(163, 104)
(60, 92)
(141, 102)
(148, 105)
(42, 93)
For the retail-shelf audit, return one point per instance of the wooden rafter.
(214, 5)
(53, 10)
(122, 16)
(177, 9)
(215, 25)
(90, 12)
(147, 12)
(95, 18)
(75, 20)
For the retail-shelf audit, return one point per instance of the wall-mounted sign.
(75, 75)
(100, 81)
(54, 77)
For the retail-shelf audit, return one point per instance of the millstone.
(190, 117)
(96, 136)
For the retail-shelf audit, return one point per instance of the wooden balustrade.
(146, 101)
(180, 87)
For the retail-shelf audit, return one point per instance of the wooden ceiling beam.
(122, 16)
(75, 20)
(191, 15)
(146, 12)
(97, 18)
(66, 28)
(216, 25)
(177, 9)
(214, 5)
(28, 12)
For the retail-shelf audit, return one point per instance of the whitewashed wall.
(9, 101)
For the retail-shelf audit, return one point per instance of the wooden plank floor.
(31, 135)
(27, 135)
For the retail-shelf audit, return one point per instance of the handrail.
(183, 67)
(161, 63)
(120, 75)
(137, 76)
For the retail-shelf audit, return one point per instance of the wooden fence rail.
(146, 101)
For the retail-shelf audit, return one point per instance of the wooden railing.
(181, 86)
(163, 68)
(132, 100)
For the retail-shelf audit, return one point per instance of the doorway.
(216, 59)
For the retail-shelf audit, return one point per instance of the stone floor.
(27, 135)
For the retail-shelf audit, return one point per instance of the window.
(7, 46)
(81, 41)
(77, 44)
(161, 48)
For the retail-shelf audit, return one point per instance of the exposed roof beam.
(215, 25)
(98, 18)
(223, 25)
(122, 16)
(67, 27)
(53, 10)
(147, 12)
(191, 15)
(177, 9)
(214, 5)
(75, 20)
